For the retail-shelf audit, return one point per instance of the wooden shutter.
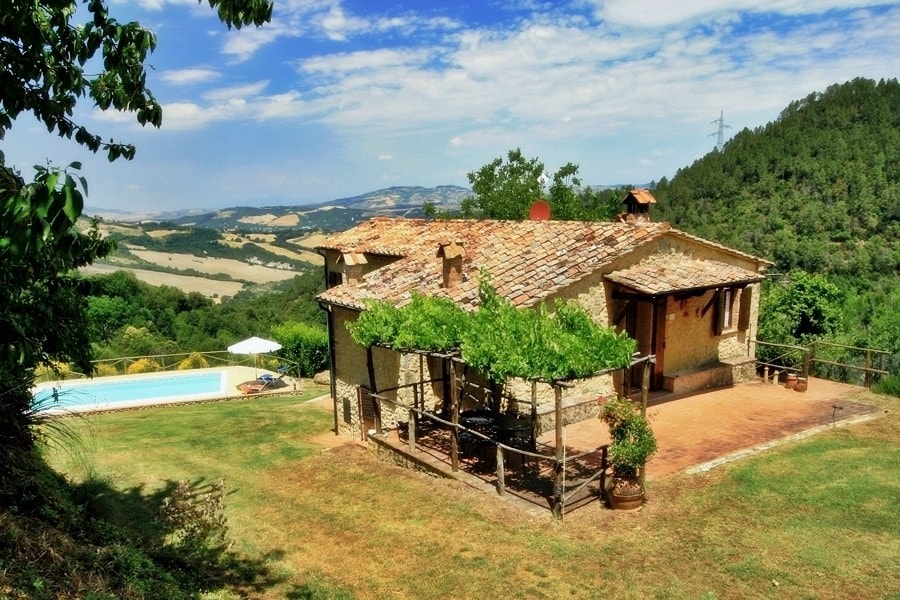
(719, 313)
(746, 300)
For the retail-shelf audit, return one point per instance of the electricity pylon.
(720, 134)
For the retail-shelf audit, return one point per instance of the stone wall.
(575, 410)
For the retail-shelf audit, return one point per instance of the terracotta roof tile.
(641, 196)
(527, 260)
(668, 273)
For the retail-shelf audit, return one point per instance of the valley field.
(233, 268)
(211, 288)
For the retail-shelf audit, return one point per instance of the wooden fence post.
(501, 475)
(806, 358)
(868, 372)
(411, 425)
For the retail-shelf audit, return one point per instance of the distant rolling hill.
(337, 215)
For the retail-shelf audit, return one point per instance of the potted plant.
(631, 443)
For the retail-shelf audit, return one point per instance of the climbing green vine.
(498, 339)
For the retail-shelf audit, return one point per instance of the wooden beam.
(559, 467)
(645, 393)
(370, 368)
(411, 425)
(711, 303)
(618, 294)
(621, 314)
(454, 417)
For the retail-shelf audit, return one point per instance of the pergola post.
(454, 416)
(645, 393)
(534, 423)
(559, 467)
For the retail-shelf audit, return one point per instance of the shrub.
(890, 386)
(143, 365)
(632, 440)
(304, 345)
(194, 360)
(105, 370)
(54, 372)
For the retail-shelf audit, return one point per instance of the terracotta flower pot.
(624, 493)
(791, 381)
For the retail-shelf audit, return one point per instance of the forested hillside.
(817, 190)
(129, 318)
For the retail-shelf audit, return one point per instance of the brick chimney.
(637, 204)
(452, 253)
(354, 266)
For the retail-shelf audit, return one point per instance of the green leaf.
(74, 203)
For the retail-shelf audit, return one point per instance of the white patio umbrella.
(254, 345)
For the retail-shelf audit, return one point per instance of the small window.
(334, 278)
(728, 305)
(725, 310)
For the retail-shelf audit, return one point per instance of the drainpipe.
(329, 319)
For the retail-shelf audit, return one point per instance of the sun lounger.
(253, 388)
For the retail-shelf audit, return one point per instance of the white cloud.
(242, 44)
(189, 76)
(665, 13)
(337, 25)
(238, 92)
(342, 64)
(326, 19)
(385, 157)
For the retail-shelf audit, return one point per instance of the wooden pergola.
(451, 421)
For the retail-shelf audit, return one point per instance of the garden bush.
(143, 365)
(303, 345)
(105, 369)
(889, 386)
(194, 360)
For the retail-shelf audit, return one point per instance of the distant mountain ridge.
(405, 197)
(336, 215)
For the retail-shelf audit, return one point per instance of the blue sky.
(336, 98)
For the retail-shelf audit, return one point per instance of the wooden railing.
(794, 359)
(867, 356)
(805, 361)
(560, 495)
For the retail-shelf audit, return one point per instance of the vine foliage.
(498, 339)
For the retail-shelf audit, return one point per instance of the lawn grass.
(812, 519)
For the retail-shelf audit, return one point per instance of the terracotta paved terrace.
(713, 424)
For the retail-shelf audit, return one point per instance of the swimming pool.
(125, 392)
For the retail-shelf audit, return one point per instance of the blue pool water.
(122, 392)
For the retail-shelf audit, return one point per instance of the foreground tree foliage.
(57, 55)
(506, 189)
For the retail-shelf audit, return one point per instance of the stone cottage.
(690, 302)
